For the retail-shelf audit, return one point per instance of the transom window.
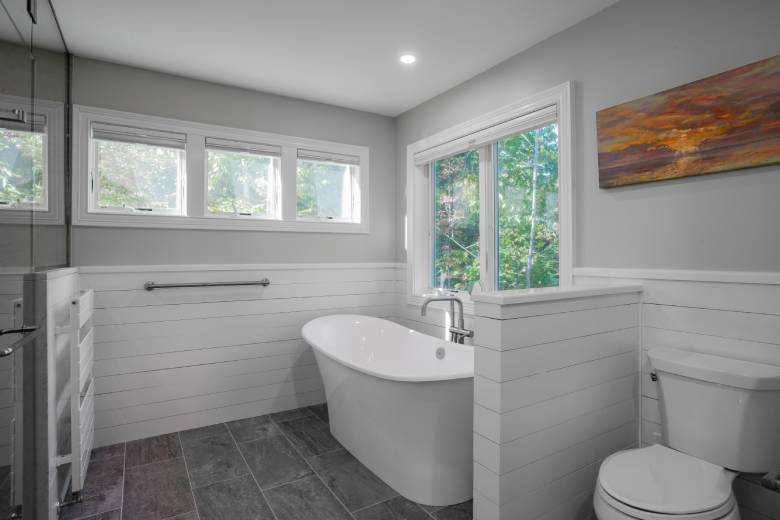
(328, 186)
(488, 204)
(137, 170)
(145, 171)
(243, 179)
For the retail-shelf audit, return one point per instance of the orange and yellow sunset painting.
(728, 121)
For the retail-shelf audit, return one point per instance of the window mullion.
(487, 219)
(289, 175)
(195, 179)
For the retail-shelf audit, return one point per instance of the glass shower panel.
(33, 233)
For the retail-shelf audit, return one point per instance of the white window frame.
(419, 236)
(197, 215)
(53, 212)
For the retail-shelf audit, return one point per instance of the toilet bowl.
(717, 413)
(658, 483)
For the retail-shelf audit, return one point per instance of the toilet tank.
(721, 410)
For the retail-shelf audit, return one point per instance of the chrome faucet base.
(457, 334)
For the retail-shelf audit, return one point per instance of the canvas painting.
(728, 121)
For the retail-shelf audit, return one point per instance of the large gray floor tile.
(462, 511)
(254, 428)
(116, 514)
(195, 434)
(353, 483)
(321, 411)
(156, 491)
(102, 490)
(152, 449)
(211, 459)
(397, 508)
(107, 452)
(232, 500)
(289, 415)
(305, 499)
(310, 435)
(190, 515)
(273, 461)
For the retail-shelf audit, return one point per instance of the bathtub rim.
(390, 377)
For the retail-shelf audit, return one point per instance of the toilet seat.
(727, 511)
(659, 483)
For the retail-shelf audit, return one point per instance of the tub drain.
(440, 353)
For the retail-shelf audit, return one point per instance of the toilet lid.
(662, 480)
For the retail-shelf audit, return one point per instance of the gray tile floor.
(283, 466)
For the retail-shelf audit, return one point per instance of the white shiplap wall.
(734, 315)
(173, 359)
(554, 394)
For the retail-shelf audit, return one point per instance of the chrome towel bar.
(150, 286)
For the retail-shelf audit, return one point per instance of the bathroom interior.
(362, 260)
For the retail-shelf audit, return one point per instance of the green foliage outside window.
(456, 221)
(528, 209)
(240, 182)
(324, 190)
(22, 166)
(136, 175)
(527, 213)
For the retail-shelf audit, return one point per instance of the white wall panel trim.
(688, 275)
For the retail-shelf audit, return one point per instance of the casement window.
(328, 186)
(489, 201)
(137, 170)
(134, 170)
(30, 161)
(242, 179)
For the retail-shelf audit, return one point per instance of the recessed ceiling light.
(408, 59)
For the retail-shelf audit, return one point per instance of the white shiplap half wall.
(555, 393)
(173, 359)
(723, 313)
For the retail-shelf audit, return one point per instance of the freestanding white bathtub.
(400, 410)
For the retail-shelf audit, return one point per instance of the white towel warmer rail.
(82, 389)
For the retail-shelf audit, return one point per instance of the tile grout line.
(349, 513)
(327, 423)
(251, 473)
(187, 471)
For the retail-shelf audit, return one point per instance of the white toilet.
(721, 416)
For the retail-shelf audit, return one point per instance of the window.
(455, 215)
(489, 200)
(327, 187)
(527, 208)
(138, 170)
(242, 179)
(22, 168)
(30, 161)
(134, 170)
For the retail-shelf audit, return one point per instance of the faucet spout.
(459, 333)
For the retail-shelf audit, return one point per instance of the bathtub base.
(415, 436)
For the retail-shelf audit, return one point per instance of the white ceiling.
(341, 52)
(16, 26)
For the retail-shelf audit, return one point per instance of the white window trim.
(419, 199)
(197, 216)
(54, 214)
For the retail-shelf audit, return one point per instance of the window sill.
(131, 220)
(26, 217)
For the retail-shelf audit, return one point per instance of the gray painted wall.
(25, 245)
(723, 221)
(118, 87)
